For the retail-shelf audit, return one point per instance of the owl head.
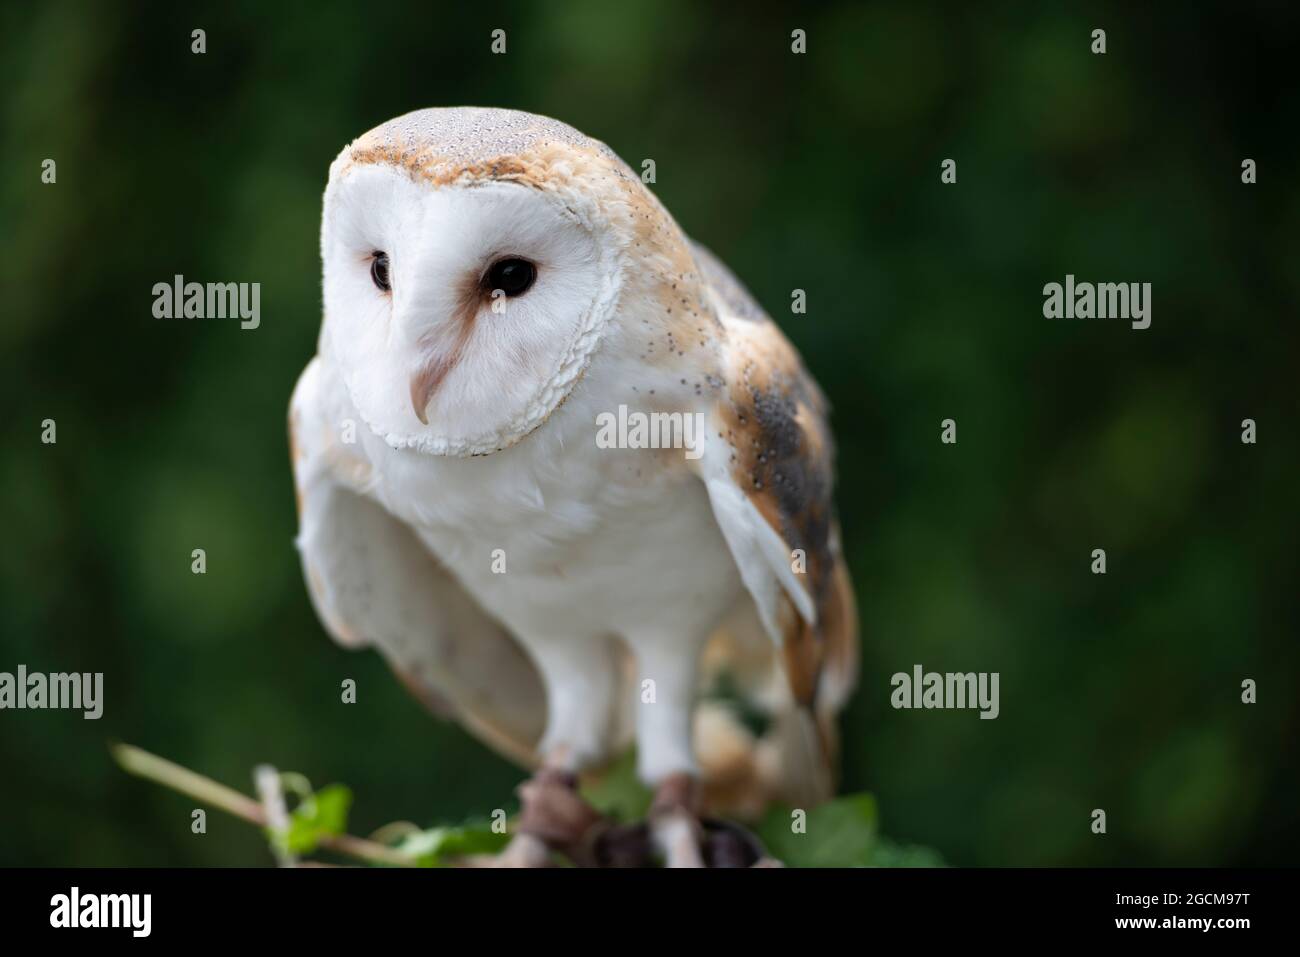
(473, 261)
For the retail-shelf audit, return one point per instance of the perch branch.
(161, 771)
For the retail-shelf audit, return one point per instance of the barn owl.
(495, 285)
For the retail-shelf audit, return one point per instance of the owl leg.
(581, 680)
(665, 757)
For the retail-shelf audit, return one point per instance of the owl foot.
(675, 827)
(554, 817)
(684, 839)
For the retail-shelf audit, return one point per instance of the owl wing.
(374, 583)
(768, 465)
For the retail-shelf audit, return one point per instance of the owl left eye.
(379, 271)
(512, 276)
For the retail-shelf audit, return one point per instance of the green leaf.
(619, 792)
(840, 833)
(320, 814)
(436, 846)
(888, 854)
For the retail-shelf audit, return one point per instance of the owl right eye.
(379, 270)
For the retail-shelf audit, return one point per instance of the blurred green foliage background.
(818, 172)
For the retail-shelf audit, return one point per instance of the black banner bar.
(337, 905)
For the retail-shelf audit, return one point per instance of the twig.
(266, 780)
(161, 771)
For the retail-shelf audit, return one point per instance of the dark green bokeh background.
(818, 172)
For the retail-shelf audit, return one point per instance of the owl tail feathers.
(792, 763)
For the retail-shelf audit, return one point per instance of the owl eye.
(511, 276)
(379, 270)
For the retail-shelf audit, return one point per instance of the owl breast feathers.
(496, 284)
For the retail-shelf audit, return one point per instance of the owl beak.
(420, 399)
(426, 381)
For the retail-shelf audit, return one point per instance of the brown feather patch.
(782, 459)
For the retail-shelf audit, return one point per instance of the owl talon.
(678, 837)
(553, 817)
(675, 828)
